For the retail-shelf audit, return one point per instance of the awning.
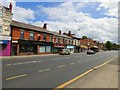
(95, 47)
(83, 47)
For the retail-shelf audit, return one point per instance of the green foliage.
(108, 45)
(84, 37)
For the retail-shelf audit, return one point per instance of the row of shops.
(26, 47)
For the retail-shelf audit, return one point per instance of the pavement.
(103, 77)
(9, 57)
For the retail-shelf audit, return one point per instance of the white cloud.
(66, 17)
(112, 8)
(19, 13)
(22, 14)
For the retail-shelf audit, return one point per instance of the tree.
(108, 45)
(84, 37)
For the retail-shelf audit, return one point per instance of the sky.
(96, 20)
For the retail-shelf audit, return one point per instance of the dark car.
(90, 52)
(64, 52)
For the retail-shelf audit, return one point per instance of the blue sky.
(97, 20)
(91, 9)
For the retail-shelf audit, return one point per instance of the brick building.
(74, 43)
(29, 39)
(88, 44)
(60, 41)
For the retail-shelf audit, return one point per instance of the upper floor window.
(0, 29)
(39, 37)
(31, 35)
(56, 39)
(22, 34)
(59, 40)
(69, 41)
(1, 12)
(51, 38)
(44, 37)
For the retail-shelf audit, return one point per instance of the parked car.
(90, 52)
(64, 52)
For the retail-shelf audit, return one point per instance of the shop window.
(42, 49)
(48, 48)
(31, 35)
(44, 37)
(24, 48)
(22, 34)
(0, 29)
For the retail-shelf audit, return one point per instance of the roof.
(35, 28)
(30, 27)
(60, 35)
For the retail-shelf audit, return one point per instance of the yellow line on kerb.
(16, 77)
(78, 77)
(72, 80)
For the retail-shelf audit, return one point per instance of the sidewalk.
(103, 77)
(7, 57)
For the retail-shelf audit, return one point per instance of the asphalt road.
(49, 71)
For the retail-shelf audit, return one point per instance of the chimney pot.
(45, 26)
(59, 31)
(69, 33)
(10, 7)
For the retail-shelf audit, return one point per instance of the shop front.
(77, 49)
(43, 47)
(83, 48)
(71, 48)
(5, 43)
(58, 47)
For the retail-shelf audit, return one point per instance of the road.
(49, 71)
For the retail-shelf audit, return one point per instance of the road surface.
(49, 71)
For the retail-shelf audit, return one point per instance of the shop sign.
(58, 45)
(5, 38)
(41, 43)
(70, 46)
(14, 41)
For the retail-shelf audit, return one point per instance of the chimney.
(45, 26)
(59, 31)
(10, 7)
(69, 33)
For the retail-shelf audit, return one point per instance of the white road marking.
(79, 61)
(57, 58)
(61, 66)
(66, 58)
(9, 64)
(23, 63)
(72, 63)
(44, 70)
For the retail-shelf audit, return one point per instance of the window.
(56, 40)
(31, 35)
(42, 49)
(1, 11)
(51, 38)
(44, 37)
(48, 48)
(22, 34)
(69, 41)
(0, 29)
